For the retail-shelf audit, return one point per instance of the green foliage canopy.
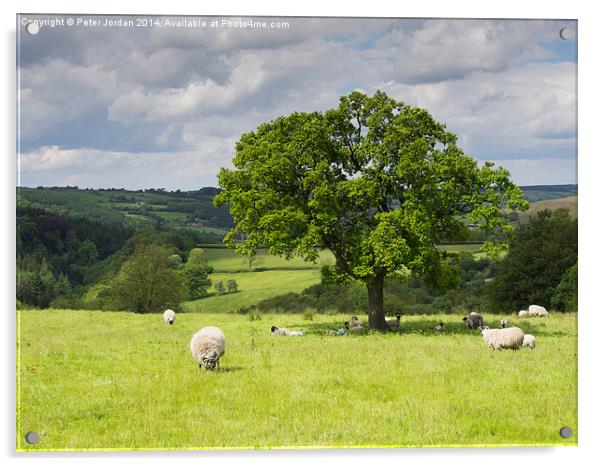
(540, 253)
(374, 180)
(197, 280)
(147, 283)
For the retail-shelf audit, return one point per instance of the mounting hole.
(566, 432)
(32, 28)
(32, 437)
(566, 34)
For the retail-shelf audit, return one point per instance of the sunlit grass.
(253, 287)
(228, 260)
(120, 380)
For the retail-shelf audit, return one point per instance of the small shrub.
(220, 288)
(231, 286)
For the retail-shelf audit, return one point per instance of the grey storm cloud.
(91, 98)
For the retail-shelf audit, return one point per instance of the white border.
(589, 201)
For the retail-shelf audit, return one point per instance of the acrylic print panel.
(295, 232)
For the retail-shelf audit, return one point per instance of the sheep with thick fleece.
(169, 316)
(500, 338)
(537, 311)
(529, 341)
(523, 313)
(207, 346)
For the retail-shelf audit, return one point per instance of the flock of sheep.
(208, 345)
(506, 337)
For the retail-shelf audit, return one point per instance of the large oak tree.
(375, 181)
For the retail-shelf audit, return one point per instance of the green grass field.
(228, 260)
(102, 380)
(254, 287)
(569, 203)
(472, 248)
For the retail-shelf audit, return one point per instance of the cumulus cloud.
(88, 167)
(58, 92)
(197, 97)
(93, 101)
(452, 49)
(523, 111)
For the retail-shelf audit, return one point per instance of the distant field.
(544, 192)
(473, 248)
(169, 215)
(228, 260)
(93, 380)
(138, 219)
(254, 287)
(213, 230)
(569, 203)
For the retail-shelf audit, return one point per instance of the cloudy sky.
(141, 107)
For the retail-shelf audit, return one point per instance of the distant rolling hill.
(195, 209)
(538, 193)
(179, 209)
(569, 203)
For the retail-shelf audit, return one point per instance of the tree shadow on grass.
(427, 327)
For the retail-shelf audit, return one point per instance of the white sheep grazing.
(207, 346)
(296, 333)
(169, 316)
(504, 322)
(523, 313)
(280, 331)
(529, 341)
(537, 311)
(500, 338)
(440, 327)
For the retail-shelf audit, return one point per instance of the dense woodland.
(83, 248)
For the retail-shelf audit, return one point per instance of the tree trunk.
(376, 311)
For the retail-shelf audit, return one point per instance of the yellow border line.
(18, 375)
(305, 447)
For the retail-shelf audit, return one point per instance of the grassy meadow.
(116, 380)
(228, 260)
(253, 287)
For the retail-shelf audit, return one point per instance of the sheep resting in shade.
(394, 323)
(355, 325)
(207, 346)
(474, 320)
(501, 338)
(169, 316)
